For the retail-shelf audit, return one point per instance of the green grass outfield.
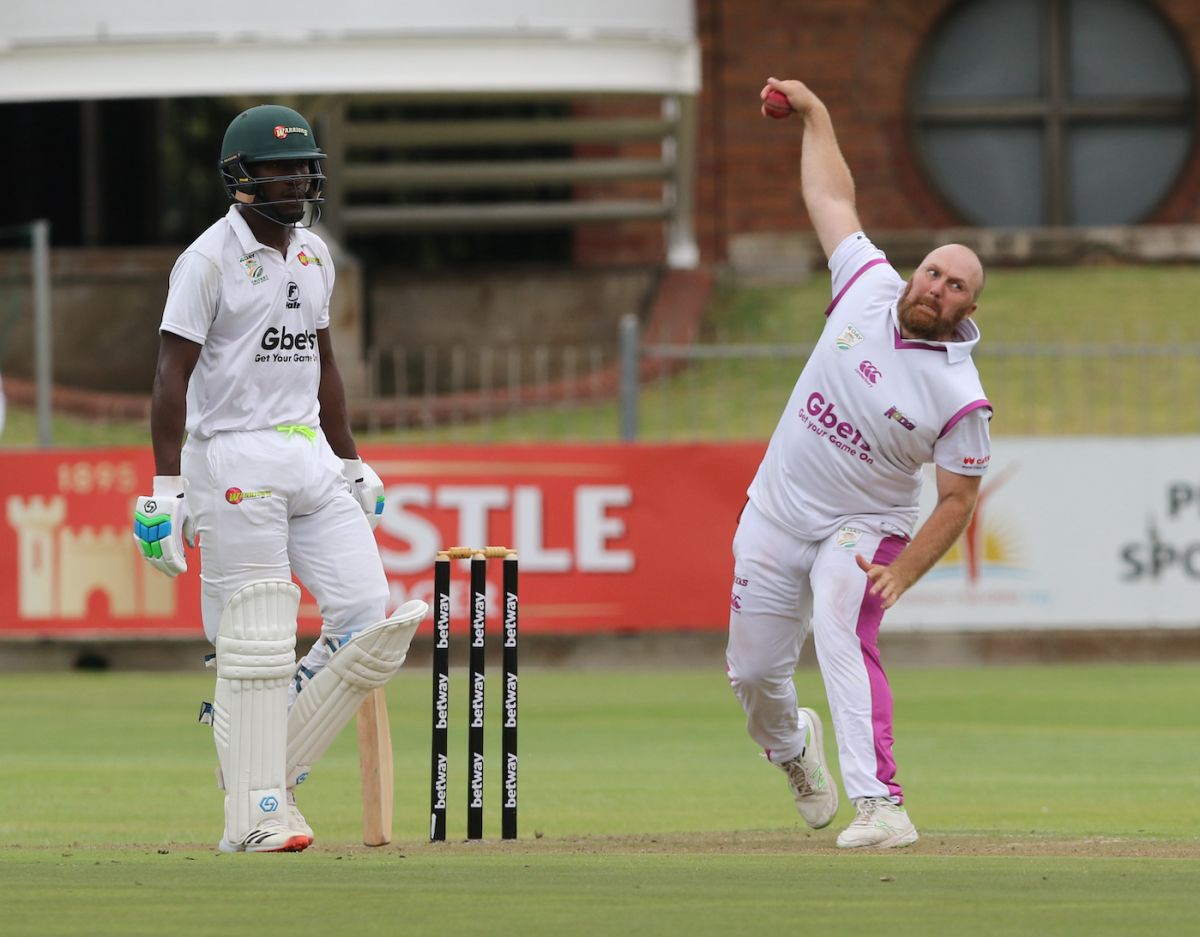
(1051, 800)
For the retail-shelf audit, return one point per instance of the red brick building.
(1054, 68)
(1041, 127)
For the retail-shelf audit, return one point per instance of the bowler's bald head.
(957, 261)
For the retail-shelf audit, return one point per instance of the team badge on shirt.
(849, 338)
(306, 258)
(847, 537)
(254, 269)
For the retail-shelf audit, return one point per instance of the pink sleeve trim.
(953, 421)
(861, 270)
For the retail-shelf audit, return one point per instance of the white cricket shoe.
(880, 824)
(270, 837)
(295, 819)
(812, 785)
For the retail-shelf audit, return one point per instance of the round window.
(1053, 112)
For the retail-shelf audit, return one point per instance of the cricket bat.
(375, 761)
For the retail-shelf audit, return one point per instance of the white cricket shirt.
(869, 409)
(256, 313)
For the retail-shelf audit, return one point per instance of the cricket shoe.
(879, 824)
(295, 819)
(268, 838)
(812, 785)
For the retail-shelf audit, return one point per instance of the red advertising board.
(610, 538)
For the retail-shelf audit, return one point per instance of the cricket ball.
(775, 104)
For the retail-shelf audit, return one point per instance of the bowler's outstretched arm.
(825, 179)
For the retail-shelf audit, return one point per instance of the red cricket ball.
(776, 105)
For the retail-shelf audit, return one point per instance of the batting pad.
(367, 660)
(256, 656)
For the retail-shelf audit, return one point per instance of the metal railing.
(720, 390)
(36, 235)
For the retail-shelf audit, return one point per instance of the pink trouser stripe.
(870, 616)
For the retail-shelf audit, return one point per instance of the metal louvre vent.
(418, 164)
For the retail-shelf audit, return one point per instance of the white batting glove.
(366, 486)
(162, 523)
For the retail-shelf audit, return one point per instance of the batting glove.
(366, 486)
(162, 523)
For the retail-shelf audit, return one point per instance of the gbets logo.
(824, 412)
(282, 339)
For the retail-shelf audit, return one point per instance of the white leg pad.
(368, 659)
(256, 657)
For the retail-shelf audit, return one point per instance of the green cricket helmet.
(268, 133)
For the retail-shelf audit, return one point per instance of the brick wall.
(858, 55)
(627, 242)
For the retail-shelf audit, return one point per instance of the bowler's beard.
(927, 324)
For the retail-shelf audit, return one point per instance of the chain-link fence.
(715, 390)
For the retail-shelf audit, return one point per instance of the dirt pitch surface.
(771, 842)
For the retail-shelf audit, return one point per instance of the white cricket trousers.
(267, 504)
(782, 587)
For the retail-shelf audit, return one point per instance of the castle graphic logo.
(60, 568)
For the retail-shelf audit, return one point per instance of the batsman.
(268, 482)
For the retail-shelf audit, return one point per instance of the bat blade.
(375, 762)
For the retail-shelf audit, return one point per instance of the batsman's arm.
(335, 423)
(957, 495)
(825, 179)
(331, 394)
(177, 359)
(162, 522)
